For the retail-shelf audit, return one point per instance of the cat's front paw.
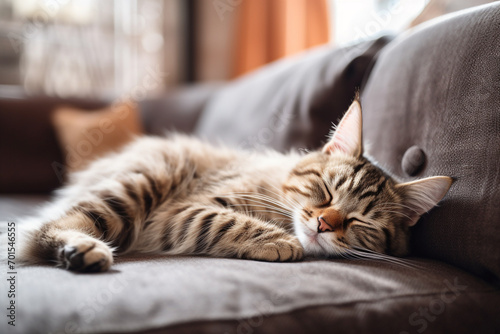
(277, 250)
(86, 254)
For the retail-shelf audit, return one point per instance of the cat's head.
(344, 201)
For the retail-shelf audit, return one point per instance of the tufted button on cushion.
(413, 161)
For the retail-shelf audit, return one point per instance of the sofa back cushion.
(289, 103)
(432, 107)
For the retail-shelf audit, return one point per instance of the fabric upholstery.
(290, 103)
(438, 88)
(13, 207)
(179, 110)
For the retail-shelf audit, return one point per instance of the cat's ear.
(422, 195)
(348, 136)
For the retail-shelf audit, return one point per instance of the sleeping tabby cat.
(183, 196)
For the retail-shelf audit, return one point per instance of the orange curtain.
(271, 29)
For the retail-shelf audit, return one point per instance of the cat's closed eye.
(321, 197)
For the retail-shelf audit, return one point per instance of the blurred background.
(90, 48)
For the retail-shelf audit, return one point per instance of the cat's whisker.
(340, 251)
(363, 253)
(395, 262)
(255, 195)
(275, 209)
(259, 198)
(260, 202)
(280, 196)
(270, 210)
(305, 150)
(267, 211)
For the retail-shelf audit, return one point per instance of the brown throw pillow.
(86, 135)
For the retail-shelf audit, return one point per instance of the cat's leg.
(222, 232)
(70, 242)
(109, 203)
(99, 218)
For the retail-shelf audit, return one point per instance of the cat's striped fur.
(182, 196)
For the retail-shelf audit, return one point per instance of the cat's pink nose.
(329, 221)
(323, 225)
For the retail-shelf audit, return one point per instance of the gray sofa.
(431, 102)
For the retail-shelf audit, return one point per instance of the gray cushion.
(289, 103)
(438, 88)
(178, 110)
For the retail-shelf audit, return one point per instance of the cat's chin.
(314, 249)
(309, 240)
(314, 244)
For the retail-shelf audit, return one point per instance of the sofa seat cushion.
(438, 88)
(13, 207)
(147, 292)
